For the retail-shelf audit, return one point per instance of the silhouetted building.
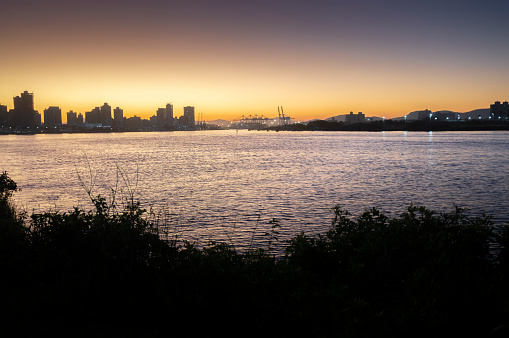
(106, 119)
(499, 111)
(425, 114)
(146, 124)
(93, 116)
(133, 123)
(52, 117)
(73, 119)
(165, 116)
(4, 117)
(37, 119)
(23, 114)
(154, 121)
(118, 118)
(354, 118)
(161, 117)
(169, 115)
(187, 121)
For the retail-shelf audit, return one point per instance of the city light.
(24, 116)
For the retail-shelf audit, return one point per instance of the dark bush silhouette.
(108, 272)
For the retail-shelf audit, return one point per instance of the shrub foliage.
(108, 271)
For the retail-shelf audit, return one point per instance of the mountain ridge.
(483, 113)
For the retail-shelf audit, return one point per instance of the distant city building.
(187, 120)
(425, 114)
(165, 116)
(118, 118)
(154, 121)
(133, 123)
(37, 119)
(106, 119)
(355, 118)
(146, 124)
(52, 117)
(169, 115)
(161, 117)
(4, 117)
(93, 116)
(23, 114)
(73, 119)
(499, 111)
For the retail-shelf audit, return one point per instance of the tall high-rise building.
(52, 117)
(161, 117)
(106, 119)
(169, 115)
(187, 121)
(153, 121)
(23, 114)
(165, 116)
(72, 118)
(499, 111)
(133, 123)
(353, 118)
(24, 101)
(37, 119)
(4, 117)
(118, 118)
(93, 116)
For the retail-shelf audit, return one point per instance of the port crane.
(252, 119)
(262, 120)
(283, 120)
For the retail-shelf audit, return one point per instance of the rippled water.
(228, 184)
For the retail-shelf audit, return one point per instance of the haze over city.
(231, 58)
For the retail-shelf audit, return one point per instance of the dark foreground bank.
(108, 273)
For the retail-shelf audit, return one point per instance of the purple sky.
(228, 58)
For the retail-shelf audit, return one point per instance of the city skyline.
(317, 59)
(25, 115)
(164, 117)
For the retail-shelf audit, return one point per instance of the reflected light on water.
(227, 185)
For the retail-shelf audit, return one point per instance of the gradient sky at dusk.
(230, 58)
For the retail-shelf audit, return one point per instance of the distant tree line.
(396, 125)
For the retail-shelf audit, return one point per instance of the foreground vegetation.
(108, 272)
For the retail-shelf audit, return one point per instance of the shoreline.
(317, 125)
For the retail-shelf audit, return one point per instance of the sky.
(228, 58)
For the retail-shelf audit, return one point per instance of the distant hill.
(410, 116)
(484, 113)
(221, 123)
(342, 118)
(337, 118)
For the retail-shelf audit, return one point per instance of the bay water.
(228, 185)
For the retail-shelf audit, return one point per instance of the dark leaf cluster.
(108, 272)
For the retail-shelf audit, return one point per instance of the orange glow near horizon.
(245, 62)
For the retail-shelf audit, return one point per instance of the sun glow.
(317, 64)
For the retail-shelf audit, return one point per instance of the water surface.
(217, 185)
